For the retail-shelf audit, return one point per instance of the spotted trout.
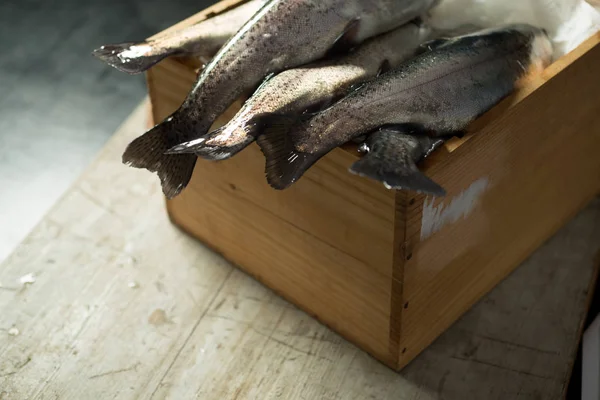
(283, 34)
(439, 92)
(314, 86)
(203, 40)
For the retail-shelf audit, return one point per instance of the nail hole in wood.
(406, 305)
(404, 350)
(409, 256)
(232, 186)
(411, 202)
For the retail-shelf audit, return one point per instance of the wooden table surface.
(125, 306)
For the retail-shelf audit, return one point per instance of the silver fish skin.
(203, 39)
(283, 34)
(441, 91)
(392, 157)
(316, 85)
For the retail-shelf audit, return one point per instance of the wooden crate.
(391, 270)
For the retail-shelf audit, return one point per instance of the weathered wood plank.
(195, 327)
(83, 330)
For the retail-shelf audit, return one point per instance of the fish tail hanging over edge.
(370, 166)
(203, 147)
(148, 151)
(131, 57)
(284, 164)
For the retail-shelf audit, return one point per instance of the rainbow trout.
(314, 86)
(283, 34)
(438, 92)
(203, 39)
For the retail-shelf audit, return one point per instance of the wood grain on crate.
(330, 244)
(337, 238)
(330, 207)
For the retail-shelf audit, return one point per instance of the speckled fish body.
(314, 86)
(203, 40)
(440, 91)
(283, 34)
(392, 157)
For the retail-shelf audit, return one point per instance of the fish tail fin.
(131, 57)
(217, 145)
(410, 179)
(284, 164)
(148, 151)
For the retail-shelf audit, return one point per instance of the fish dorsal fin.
(346, 41)
(384, 67)
(418, 21)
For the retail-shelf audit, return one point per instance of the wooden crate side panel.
(359, 217)
(325, 244)
(509, 188)
(222, 208)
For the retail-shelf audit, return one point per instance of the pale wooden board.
(196, 327)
